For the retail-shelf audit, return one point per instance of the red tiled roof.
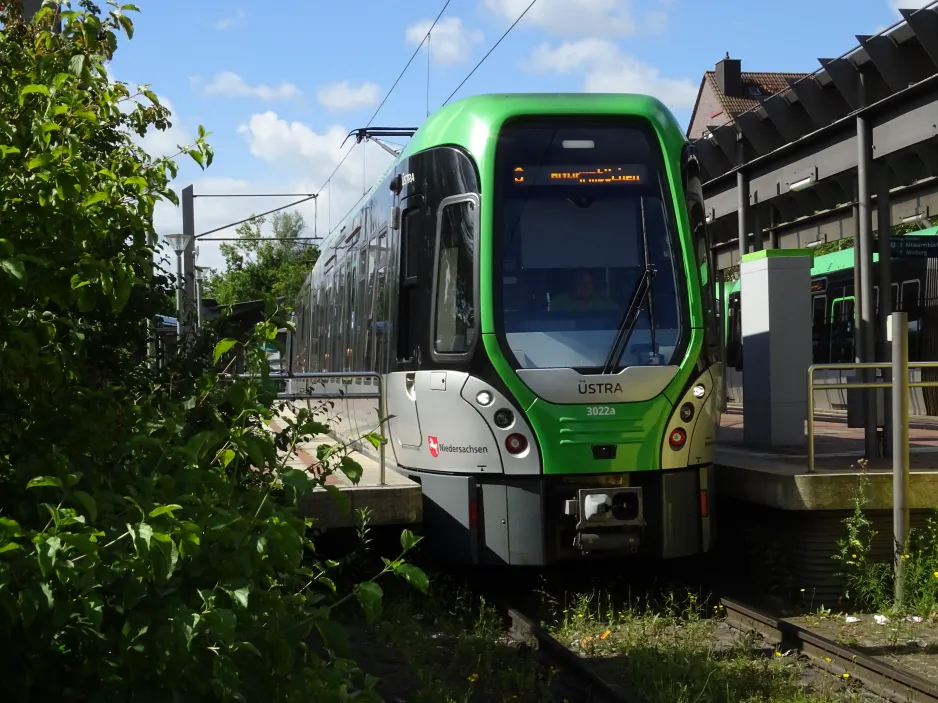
(768, 84)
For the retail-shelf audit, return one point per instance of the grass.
(451, 647)
(674, 651)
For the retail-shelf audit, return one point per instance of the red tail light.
(704, 506)
(677, 438)
(516, 443)
(473, 513)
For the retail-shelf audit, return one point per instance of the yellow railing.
(845, 386)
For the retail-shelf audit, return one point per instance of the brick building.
(727, 92)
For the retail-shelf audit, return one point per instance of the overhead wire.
(316, 195)
(413, 56)
(488, 53)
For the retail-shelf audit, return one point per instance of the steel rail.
(877, 676)
(578, 668)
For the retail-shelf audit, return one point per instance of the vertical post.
(900, 445)
(381, 419)
(723, 329)
(742, 209)
(151, 343)
(864, 252)
(188, 256)
(180, 302)
(811, 420)
(884, 247)
(756, 218)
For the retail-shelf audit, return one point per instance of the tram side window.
(911, 304)
(381, 321)
(819, 330)
(351, 313)
(309, 315)
(842, 331)
(455, 323)
(734, 333)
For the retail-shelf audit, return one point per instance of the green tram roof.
(842, 259)
(470, 122)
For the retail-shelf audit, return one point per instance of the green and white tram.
(532, 279)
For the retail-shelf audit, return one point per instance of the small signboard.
(905, 247)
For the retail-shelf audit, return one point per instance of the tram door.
(401, 384)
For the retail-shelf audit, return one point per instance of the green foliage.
(150, 542)
(259, 265)
(870, 582)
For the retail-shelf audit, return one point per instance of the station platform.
(779, 478)
(398, 502)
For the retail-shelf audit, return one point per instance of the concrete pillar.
(777, 350)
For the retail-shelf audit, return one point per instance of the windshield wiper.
(642, 291)
(627, 324)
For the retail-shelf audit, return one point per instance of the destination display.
(589, 174)
(905, 247)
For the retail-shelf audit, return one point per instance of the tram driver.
(582, 295)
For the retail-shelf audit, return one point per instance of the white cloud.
(572, 17)
(230, 85)
(235, 20)
(895, 5)
(450, 41)
(343, 96)
(607, 70)
(166, 143)
(294, 147)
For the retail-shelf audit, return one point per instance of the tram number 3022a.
(600, 410)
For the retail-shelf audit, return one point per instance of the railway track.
(878, 677)
(576, 668)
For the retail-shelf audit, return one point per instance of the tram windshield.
(582, 212)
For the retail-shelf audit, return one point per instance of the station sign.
(905, 247)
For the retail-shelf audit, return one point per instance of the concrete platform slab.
(780, 479)
(398, 502)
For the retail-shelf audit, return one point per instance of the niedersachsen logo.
(433, 444)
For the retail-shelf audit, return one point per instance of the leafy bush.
(150, 546)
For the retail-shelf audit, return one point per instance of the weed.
(870, 582)
(675, 650)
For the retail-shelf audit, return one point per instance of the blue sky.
(280, 85)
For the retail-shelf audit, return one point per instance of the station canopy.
(799, 146)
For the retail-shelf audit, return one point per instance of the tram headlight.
(699, 390)
(484, 398)
(503, 418)
(687, 412)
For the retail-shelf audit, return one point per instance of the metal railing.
(350, 375)
(860, 386)
(898, 334)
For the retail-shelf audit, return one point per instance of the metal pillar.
(900, 442)
(188, 256)
(722, 313)
(181, 328)
(757, 218)
(742, 210)
(773, 230)
(884, 248)
(863, 248)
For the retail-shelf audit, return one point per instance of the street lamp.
(179, 242)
